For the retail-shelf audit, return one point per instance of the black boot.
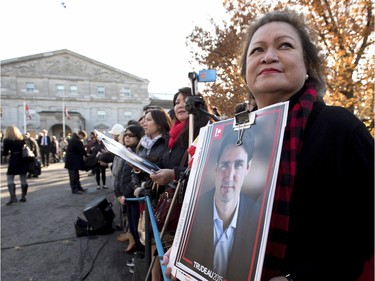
(80, 188)
(12, 192)
(24, 192)
(75, 190)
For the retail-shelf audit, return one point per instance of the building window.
(102, 115)
(125, 92)
(60, 89)
(30, 87)
(127, 115)
(73, 90)
(100, 91)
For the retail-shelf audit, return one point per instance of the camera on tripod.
(193, 103)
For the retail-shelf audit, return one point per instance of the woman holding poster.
(326, 152)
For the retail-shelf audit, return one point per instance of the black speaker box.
(99, 213)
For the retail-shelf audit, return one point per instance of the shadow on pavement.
(38, 240)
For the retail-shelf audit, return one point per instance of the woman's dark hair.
(162, 120)
(200, 119)
(146, 108)
(311, 55)
(132, 122)
(137, 130)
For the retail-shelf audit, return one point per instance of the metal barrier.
(150, 219)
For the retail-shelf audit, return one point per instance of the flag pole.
(24, 117)
(63, 116)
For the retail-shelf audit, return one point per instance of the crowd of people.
(45, 149)
(48, 149)
(325, 185)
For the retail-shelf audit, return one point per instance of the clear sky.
(142, 37)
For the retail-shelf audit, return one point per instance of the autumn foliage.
(346, 37)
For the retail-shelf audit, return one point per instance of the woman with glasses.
(121, 175)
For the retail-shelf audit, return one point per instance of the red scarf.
(277, 238)
(174, 132)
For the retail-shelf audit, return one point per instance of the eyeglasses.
(130, 135)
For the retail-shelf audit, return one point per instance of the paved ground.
(38, 241)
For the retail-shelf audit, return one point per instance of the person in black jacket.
(325, 187)
(152, 147)
(171, 167)
(175, 159)
(91, 141)
(124, 189)
(44, 142)
(33, 145)
(74, 160)
(13, 144)
(54, 150)
(100, 168)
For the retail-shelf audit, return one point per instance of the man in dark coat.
(44, 142)
(74, 160)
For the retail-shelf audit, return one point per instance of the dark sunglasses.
(129, 135)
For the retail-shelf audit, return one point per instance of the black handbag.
(35, 167)
(90, 162)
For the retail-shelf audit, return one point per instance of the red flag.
(28, 112)
(66, 113)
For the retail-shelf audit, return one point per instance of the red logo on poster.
(218, 133)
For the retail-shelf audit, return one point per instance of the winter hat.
(117, 129)
(136, 130)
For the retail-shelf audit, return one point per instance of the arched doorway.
(57, 130)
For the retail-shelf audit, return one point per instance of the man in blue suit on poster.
(224, 225)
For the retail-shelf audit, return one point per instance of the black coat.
(17, 164)
(39, 141)
(97, 147)
(75, 153)
(331, 229)
(157, 151)
(172, 159)
(156, 157)
(121, 177)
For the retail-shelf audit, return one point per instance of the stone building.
(36, 90)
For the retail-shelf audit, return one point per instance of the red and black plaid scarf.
(278, 232)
